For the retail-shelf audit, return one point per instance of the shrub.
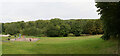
(71, 35)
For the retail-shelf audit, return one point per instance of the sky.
(31, 10)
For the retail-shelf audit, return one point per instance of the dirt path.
(4, 35)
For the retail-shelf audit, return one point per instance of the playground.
(22, 38)
(25, 39)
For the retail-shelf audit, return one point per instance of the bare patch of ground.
(25, 39)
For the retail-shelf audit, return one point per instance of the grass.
(62, 45)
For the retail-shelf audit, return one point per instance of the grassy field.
(62, 45)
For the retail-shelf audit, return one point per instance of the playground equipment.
(23, 38)
(19, 35)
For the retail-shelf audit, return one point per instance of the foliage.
(76, 27)
(32, 31)
(93, 27)
(12, 29)
(64, 29)
(54, 27)
(109, 12)
(58, 28)
(52, 30)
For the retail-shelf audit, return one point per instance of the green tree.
(99, 26)
(41, 23)
(64, 30)
(29, 24)
(52, 30)
(76, 27)
(90, 28)
(32, 31)
(12, 29)
(56, 21)
(93, 26)
(109, 12)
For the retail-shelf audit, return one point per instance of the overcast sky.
(31, 10)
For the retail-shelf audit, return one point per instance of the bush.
(71, 35)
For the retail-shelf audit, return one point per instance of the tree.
(29, 24)
(76, 27)
(32, 31)
(58, 28)
(41, 23)
(109, 12)
(12, 29)
(56, 21)
(89, 27)
(64, 29)
(54, 27)
(98, 26)
(93, 26)
(52, 30)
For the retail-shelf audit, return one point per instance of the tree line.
(54, 28)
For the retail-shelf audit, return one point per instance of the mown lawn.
(62, 45)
